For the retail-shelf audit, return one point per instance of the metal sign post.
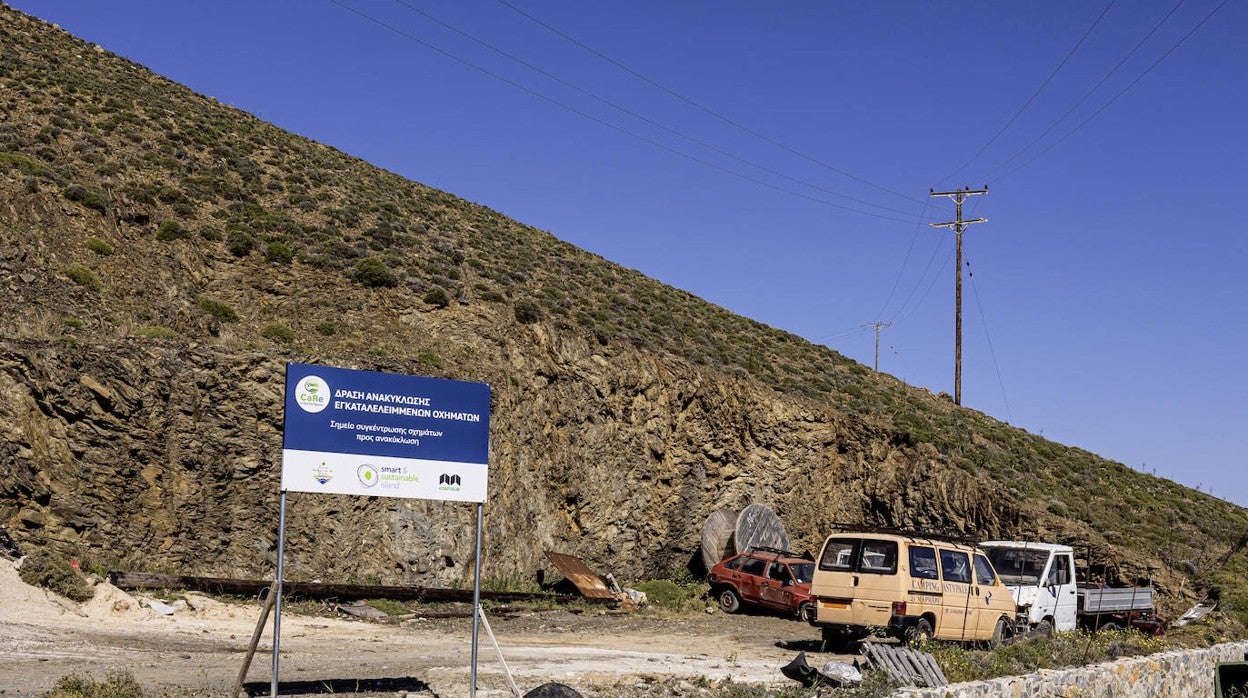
(383, 435)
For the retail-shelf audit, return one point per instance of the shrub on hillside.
(80, 194)
(99, 246)
(239, 242)
(50, 571)
(171, 230)
(278, 333)
(279, 253)
(218, 309)
(437, 296)
(527, 312)
(83, 276)
(374, 273)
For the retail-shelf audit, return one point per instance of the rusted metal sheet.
(586, 581)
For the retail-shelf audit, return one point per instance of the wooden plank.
(316, 590)
(255, 640)
(926, 667)
(717, 536)
(905, 665)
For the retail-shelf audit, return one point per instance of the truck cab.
(1041, 578)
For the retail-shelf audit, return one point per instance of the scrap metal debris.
(834, 674)
(590, 584)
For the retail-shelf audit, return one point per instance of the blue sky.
(776, 159)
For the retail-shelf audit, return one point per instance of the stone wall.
(1178, 673)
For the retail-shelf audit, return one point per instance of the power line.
(1033, 96)
(641, 117)
(1124, 90)
(608, 124)
(992, 352)
(897, 281)
(701, 107)
(1089, 93)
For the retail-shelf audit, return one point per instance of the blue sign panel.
(383, 434)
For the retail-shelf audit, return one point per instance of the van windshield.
(1018, 565)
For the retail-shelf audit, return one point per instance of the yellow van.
(909, 587)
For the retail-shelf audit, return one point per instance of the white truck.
(1041, 577)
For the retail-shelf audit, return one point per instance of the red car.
(776, 580)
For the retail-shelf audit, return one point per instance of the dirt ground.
(199, 649)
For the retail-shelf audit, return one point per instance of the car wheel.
(729, 601)
(1108, 626)
(806, 612)
(921, 632)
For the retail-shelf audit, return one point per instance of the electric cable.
(608, 124)
(1087, 94)
(641, 117)
(1124, 90)
(1033, 96)
(703, 108)
(992, 352)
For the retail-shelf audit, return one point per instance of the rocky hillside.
(162, 256)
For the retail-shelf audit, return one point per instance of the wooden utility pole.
(878, 326)
(958, 226)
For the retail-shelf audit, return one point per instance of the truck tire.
(729, 602)
(1043, 629)
(806, 612)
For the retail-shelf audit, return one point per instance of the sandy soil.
(199, 649)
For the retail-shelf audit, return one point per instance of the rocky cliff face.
(168, 456)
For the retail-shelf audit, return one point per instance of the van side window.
(838, 555)
(879, 556)
(984, 573)
(923, 562)
(956, 566)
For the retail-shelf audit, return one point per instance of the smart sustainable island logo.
(367, 474)
(312, 394)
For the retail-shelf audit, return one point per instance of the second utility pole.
(958, 226)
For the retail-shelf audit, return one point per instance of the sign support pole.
(277, 587)
(476, 603)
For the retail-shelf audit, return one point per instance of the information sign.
(383, 434)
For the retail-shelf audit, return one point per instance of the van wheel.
(921, 632)
(806, 612)
(999, 633)
(729, 601)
